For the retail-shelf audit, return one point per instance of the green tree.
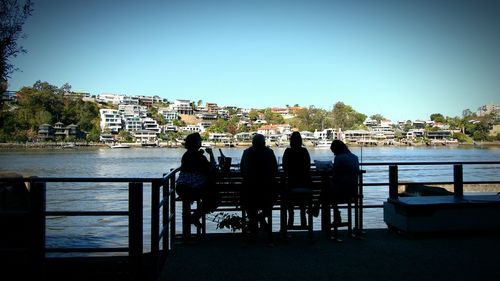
(94, 134)
(345, 117)
(178, 123)
(377, 117)
(45, 103)
(125, 136)
(13, 15)
(218, 126)
(438, 117)
(463, 138)
(253, 114)
(153, 113)
(272, 117)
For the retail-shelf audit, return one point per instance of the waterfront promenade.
(383, 255)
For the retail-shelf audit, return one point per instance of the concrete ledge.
(443, 213)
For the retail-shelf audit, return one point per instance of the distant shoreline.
(70, 145)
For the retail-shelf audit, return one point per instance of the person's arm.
(286, 161)
(242, 163)
(307, 159)
(211, 155)
(274, 162)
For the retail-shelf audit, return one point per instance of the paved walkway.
(383, 255)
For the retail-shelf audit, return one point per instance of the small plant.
(229, 221)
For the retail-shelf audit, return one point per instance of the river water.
(153, 162)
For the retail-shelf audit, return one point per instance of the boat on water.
(69, 145)
(323, 143)
(120, 145)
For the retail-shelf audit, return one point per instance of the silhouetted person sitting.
(196, 179)
(344, 178)
(259, 169)
(296, 166)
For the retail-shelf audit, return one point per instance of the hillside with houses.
(154, 121)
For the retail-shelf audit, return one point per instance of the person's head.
(338, 147)
(192, 141)
(258, 140)
(295, 140)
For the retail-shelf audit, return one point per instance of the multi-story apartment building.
(150, 124)
(382, 132)
(219, 137)
(110, 120)
(131, 100)
(415, 133)
(356, 135)
(169, 128)
(417, 124)
(110, 98)
(59, 131)
(183, 107)
(146, 101)
(267, 130)
(488, 109)
(146, 137)
(438, 135)
(211, 107)
(169, 114)
(370, 122)
(327, 134)
(191, 129)
(223, 113)
(280, 110)
(133, 124)
(130, 110)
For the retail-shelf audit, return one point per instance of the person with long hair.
(345, 176)
(201, 171)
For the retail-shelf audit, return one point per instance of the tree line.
(44, 103)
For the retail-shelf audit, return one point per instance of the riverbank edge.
(60, 145)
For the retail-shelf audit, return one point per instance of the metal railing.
(161, 232)
(163, 209)
(457, 182)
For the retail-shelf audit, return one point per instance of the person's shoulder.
(268, 149)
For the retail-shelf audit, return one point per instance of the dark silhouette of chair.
(349, 201)
(187, 212)
(297, 197)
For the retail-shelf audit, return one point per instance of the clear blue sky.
(402, 59)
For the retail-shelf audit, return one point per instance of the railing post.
(393, 181)
(458, 180)
(172, 218)
(165, 217)
(359, 209)
(325, 204)
(135, 235)
(155, 225)
(37, 222)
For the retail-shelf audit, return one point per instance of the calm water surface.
(153, 162)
